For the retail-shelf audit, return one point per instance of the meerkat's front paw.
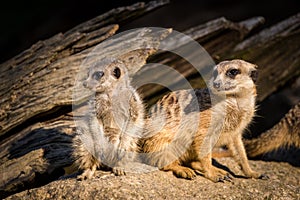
(210, 172)
(180, 171)
(87, 174)
(185, 172)
(217, 175)
(257, 175)
(118, 171)
(264, 177)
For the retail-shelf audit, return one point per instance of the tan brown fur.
(108, 135)
(223, 117)
(283, 134)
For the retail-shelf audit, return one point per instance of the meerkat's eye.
(117, 72)
(97, 75)
(233, 72)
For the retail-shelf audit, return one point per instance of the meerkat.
(284, 133)
(224, 110)
(108, 134)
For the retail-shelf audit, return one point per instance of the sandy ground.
(283, 183)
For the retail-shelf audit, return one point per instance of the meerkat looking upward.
(176, 147)
(109, 132)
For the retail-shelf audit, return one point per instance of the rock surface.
(283, 183)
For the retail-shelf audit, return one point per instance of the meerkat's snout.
(85, 84)
(93, 79)
(216, 85)
(98, 75)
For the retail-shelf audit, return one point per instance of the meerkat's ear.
(116, 72)
(254, 74)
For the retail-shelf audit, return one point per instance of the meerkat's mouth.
(229, 88)
(225, 89)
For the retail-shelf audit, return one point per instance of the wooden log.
(53, 135)
(36, 93)
(275, 50)
(39, 149)
(36, 124)
(41, 78)
(217, 37)
(27, 167)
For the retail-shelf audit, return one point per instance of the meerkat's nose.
(84, 84)
(216, 85)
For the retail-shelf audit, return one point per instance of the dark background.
(23, 23)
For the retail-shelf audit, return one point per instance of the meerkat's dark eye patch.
(254, 75)
(215, 73)
(117, 72)
(97, 75)
(231, 73)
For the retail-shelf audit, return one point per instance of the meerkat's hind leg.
(88, 173)
(221, 153)
(180, 171)
(205, 168)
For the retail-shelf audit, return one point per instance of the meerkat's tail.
(283, 134)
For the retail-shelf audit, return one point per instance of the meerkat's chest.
(235, 118)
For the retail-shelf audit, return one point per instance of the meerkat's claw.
(185, 172)
(82, 178)
(87, 174)
(264, 177)
(220, 178)
(217, 175)
(228, 178)
(119, 171)
(257, 175)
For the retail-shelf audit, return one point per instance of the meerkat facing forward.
(176, 148)
(112, 123)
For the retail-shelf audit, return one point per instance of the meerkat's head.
(105, 75)
(234, 77)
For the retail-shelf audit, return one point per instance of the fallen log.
(41, 78)
(36, 118)
(275, 50)
(36, 125)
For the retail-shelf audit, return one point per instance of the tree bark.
(36, 118)
(42, 77)
(275, 50)
(36, 122)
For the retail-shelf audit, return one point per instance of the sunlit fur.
(109, 132)
(225, 112)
